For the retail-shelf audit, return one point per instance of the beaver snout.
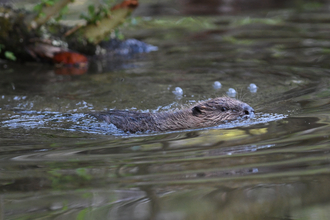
(248, 111)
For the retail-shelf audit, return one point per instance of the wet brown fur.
(204, 114)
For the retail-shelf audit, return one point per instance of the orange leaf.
(69, 58)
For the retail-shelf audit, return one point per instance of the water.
(57, 162)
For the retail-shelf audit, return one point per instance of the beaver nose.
(248, 110)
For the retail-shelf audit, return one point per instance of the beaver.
(203, 114)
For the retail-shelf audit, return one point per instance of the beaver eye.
(223, 109)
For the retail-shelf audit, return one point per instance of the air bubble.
(231, 92)
(253, 88)
(217, 85)
(178, 91)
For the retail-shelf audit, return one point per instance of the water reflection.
(215, 202)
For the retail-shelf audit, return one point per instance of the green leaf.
(82, 214)
(83, 173)
(10, 55)
(37, 8)
(61, 13)
(91, 10)
(50, 2)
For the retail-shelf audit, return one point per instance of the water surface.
(57, 162)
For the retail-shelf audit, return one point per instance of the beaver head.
(221, 109)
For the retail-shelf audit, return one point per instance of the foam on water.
(258, 119)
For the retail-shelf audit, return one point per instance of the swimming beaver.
(204, 114)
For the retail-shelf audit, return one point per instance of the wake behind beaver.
(203, 114)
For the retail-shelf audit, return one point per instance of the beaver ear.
(196, 110)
